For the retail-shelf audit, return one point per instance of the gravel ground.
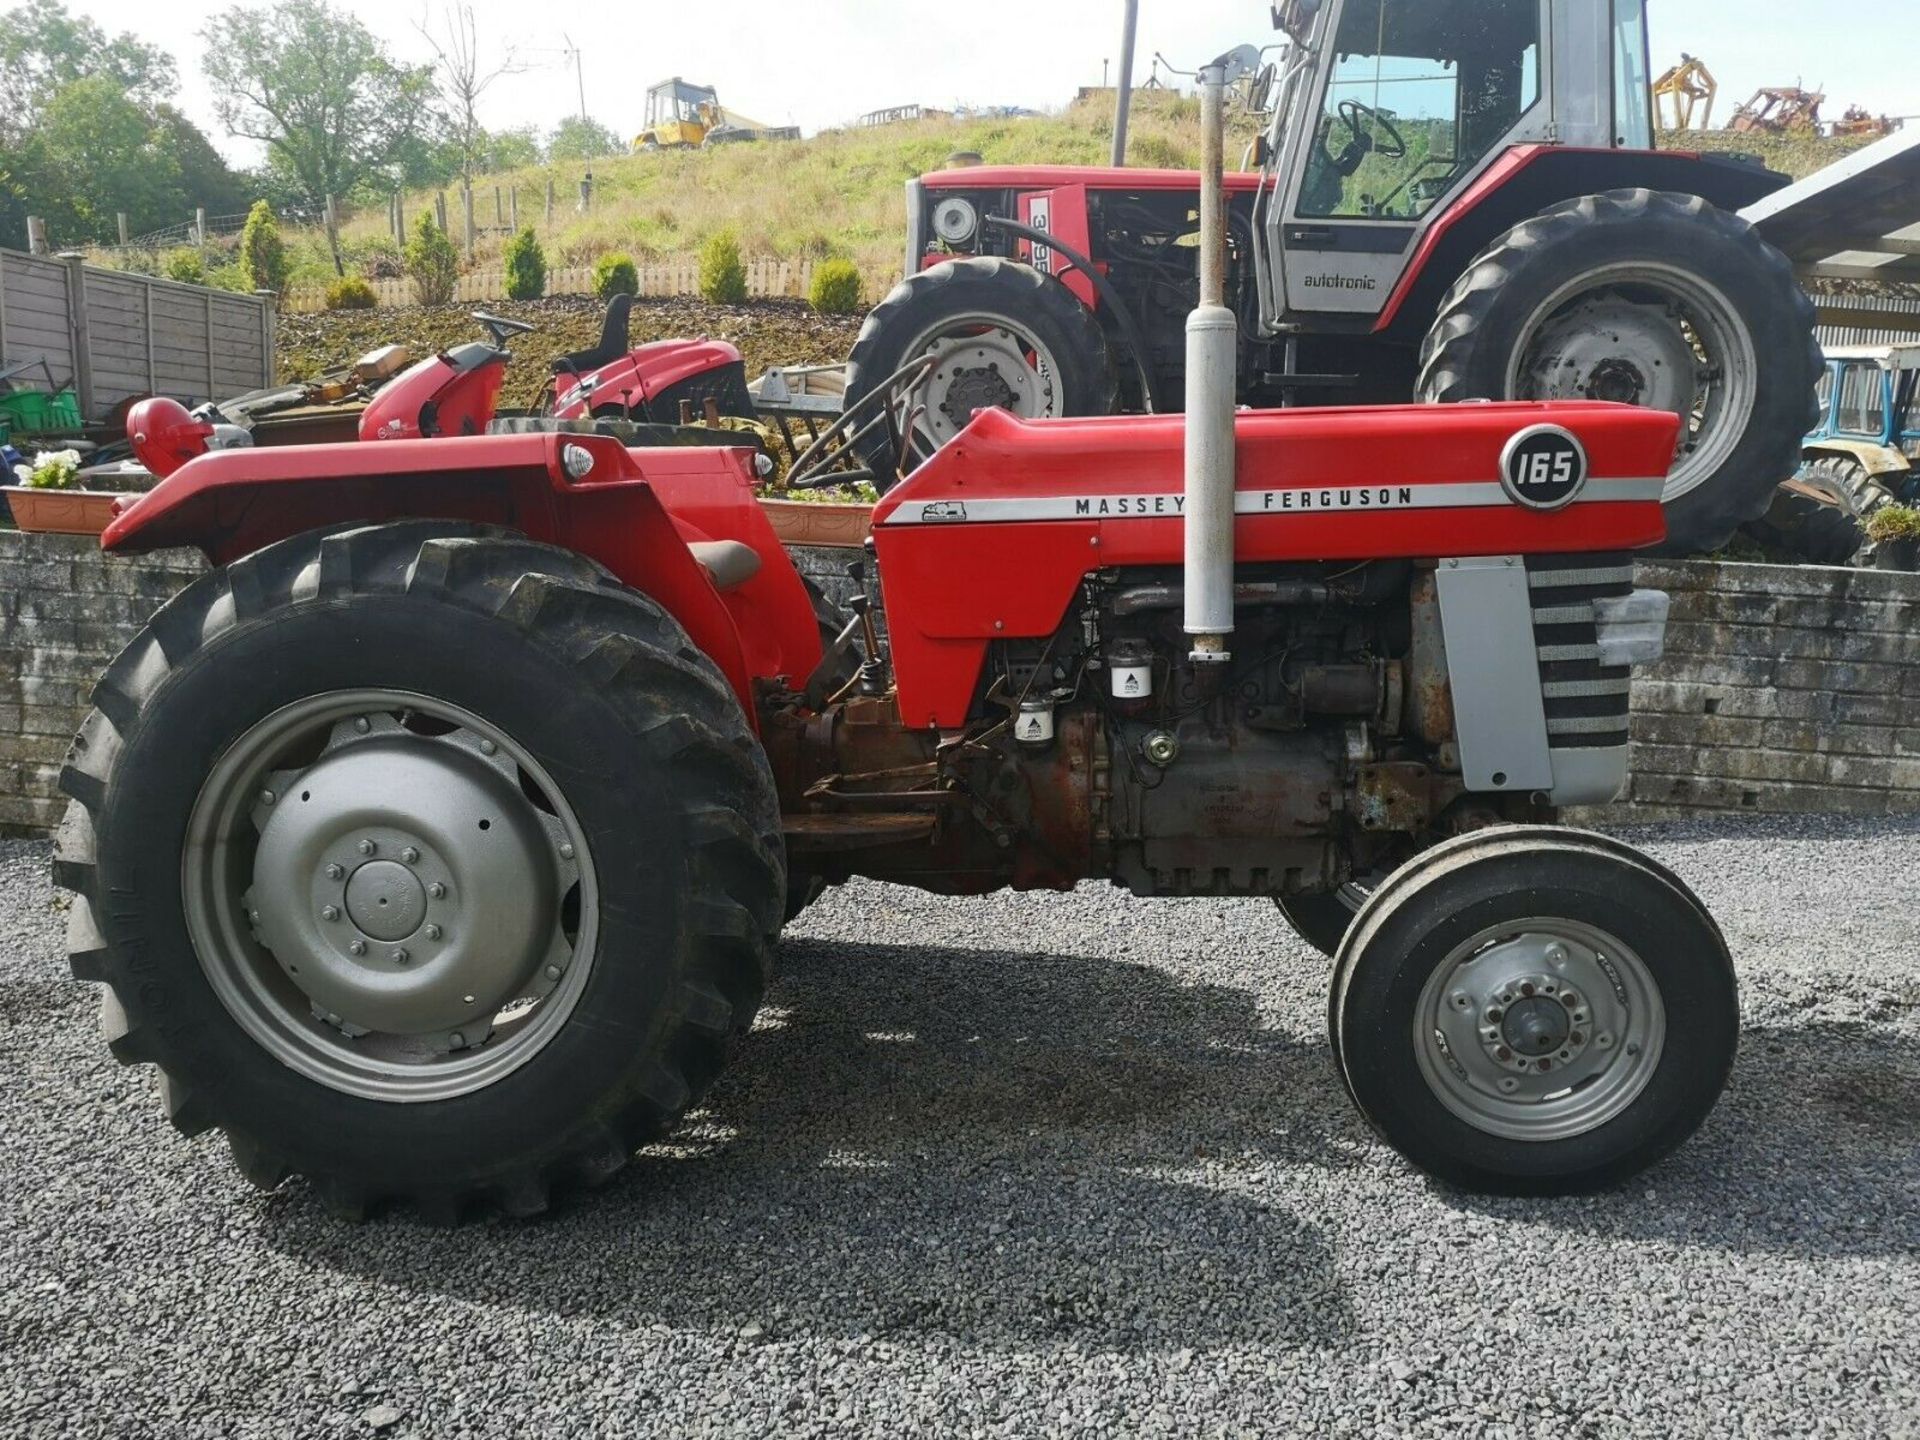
(1026, 1165)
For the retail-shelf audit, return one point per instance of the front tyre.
(383, 913)
(1650, 299)
(1534, 1013)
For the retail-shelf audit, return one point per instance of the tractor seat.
(728, 563)
(613, 341)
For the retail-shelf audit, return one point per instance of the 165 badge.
(1544, 467)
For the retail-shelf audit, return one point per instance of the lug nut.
(554, 972)
(487, 747)
(457, 1040)
(335, 872)
(432, 932)
(267, 797)
(566, 852)
(362, 724)
(330, 913)
(357, 947)
(410, 855)
(367, 847)
(437, 890)
(399, 957)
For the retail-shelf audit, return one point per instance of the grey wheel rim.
(983, 362)
(389, 894)
(1644, 333)
(1539, 1030)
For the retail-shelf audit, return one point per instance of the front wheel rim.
(1540, 1029)
(1648, 334)
(390, 895)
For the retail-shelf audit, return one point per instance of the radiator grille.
(1586, 702)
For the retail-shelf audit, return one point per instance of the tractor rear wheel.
(388, 917)
(1650, 299)
(1007, 336)
(1534, 1011)
(1812, 519)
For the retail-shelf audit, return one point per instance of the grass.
(837, 195)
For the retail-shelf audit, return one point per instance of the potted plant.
(1895, 533)
(51, 496)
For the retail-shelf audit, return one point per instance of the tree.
(526, 266)
(313, 84)
(516, 149)
(96, 153)
(462, 77)
(577, 138)
(43, 49)
(205, 177)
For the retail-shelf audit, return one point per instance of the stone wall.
(1784, 690)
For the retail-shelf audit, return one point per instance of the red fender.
(633, 511)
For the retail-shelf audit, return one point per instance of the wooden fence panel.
(145, 335)
(38, 324)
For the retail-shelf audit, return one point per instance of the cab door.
(1415, 98)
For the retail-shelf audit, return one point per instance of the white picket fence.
(765, 278)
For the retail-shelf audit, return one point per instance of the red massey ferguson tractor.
(1456, 199)
(436, 844)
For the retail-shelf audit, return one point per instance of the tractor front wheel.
(1002, 336)
(1647, 299)
(1531, 1011)
(415, 927)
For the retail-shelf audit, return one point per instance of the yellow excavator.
(681, 116)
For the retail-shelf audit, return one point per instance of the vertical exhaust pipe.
(1213, 350)
(1123, 97)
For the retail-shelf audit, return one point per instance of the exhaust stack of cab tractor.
(1213, 346)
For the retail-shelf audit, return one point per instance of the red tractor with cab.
(1454, 199)
(435, 846)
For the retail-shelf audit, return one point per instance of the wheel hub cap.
(1539, 1032)
(386, 900)
(404, 884)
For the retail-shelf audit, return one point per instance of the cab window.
(1863, 408)
(1419, 95)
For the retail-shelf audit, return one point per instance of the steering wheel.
(498, 327)
(1354, 116)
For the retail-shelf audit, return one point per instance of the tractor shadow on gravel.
(997, 1146)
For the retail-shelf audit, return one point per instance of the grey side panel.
(1486, 614)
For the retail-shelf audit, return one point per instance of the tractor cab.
(1388, 113)
(679, 116)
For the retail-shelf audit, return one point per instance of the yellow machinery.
(680, 116)
(1688, 88)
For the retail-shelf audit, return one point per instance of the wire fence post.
(120, 220)
(36, 235)
(200, 225)
(466, 211)
(513, 209)
(549, 202)
(440, 210)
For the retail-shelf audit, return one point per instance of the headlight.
(955, 221)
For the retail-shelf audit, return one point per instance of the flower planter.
(828, 527)
(61, 512)
(1901, 554)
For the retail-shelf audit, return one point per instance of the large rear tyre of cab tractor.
(1648, 299)
(1004, 335)
(424, 861)
(1530, 1011)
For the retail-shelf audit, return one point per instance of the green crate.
(36, 412)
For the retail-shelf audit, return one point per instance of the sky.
(826, 61)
